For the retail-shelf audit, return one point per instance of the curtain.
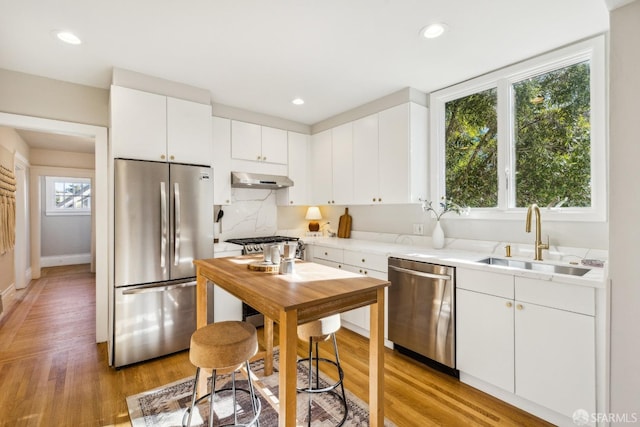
(7, 209)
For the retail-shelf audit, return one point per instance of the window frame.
(50, 196)
(592, 50)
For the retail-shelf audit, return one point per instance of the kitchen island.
(312, 292)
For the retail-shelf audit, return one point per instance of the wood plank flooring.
(52, 373)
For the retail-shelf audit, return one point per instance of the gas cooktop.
(254, 245)
(265, 239)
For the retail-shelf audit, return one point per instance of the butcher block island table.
(312, 292)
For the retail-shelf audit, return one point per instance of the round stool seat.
(223, 345)
(319, 330)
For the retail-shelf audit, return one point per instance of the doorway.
(101, 206)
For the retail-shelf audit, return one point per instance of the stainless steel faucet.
(539, 246)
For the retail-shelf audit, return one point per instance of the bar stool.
(315, 332)
(224, 346)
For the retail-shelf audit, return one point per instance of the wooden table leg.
(287, 394)
(376, 362)
(201, 321)
(268, 344)
(201, 299)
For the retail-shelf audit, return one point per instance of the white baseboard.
(8, 298)
(54, 261)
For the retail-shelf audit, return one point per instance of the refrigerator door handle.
(176, 240)
(163, 225)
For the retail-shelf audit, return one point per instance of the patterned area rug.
(165, 406)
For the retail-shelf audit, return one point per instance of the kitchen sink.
(536, 266)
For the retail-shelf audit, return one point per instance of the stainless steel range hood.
(257, 180)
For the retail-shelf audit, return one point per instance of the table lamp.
(313, 215)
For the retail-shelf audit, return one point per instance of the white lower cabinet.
(365, 263)
(485, 340)
(533, 338)
(555, 358)
(225, 305)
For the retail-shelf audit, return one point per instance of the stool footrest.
(330, 387)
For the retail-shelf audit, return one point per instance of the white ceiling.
(259, 55)
(57, 141)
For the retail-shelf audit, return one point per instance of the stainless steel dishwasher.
(422, 309)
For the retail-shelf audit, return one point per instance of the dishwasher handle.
(162, 288)
(420, 273)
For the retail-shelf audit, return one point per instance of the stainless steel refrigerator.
(163, 219)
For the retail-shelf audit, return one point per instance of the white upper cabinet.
(366, 188)
(321, 168)
(298, 161)
(138, 124)
(402, 153)
(189, 133)
(147, 126)
(274, 145)
(342, 159)
(381, 158)
(221, 161)
(246, 141)
(258, 143)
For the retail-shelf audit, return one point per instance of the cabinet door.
(274, 145)
(246, 141)
(393, 151)
(342, 158)
(484, 338)
(321, 169)
(138, 124)
(358, 317)
(555, 358)
(225, 305)
(189, 130)
(365, 161)
(221, 161)
(298, 163)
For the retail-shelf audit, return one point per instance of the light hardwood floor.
(52, 373)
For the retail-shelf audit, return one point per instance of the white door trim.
(101, 197)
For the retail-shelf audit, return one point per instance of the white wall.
(399, 219)
(63, 234)
(53, 99)
(625, 210)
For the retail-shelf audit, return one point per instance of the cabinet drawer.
(331, 254)
(579, 299)
(486, 282)
(328, 263)
(366, 260)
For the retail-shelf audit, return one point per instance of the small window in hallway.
(68, 195)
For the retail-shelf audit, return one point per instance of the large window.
(530, 133)
(471, 149)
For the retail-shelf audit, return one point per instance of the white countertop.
(458, 257)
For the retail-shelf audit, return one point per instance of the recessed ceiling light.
(67, 37)
(297, 101)
(434, 30)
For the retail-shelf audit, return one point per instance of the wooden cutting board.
(264, 266)
(344, 225)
